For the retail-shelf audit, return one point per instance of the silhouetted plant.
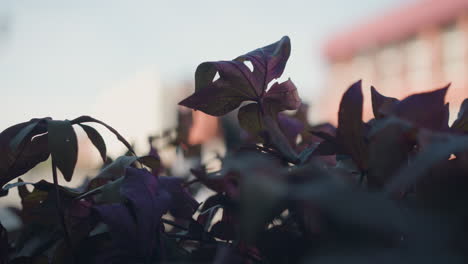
(390, 190)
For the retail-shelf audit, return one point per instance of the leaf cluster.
(389, 190)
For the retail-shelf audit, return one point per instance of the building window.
(453, 64)
(363, 68)
(418, 64)
(389, 68)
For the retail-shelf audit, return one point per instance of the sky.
(64, 58)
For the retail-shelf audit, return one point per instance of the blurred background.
(128, 63)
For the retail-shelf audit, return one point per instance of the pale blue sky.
(59, 55)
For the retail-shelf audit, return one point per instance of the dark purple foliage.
(382, 105)
(414, 109)
(134, 225)
(4, 245)
(350, 131)
(21, 150)
(237, 83)
(461, 124)
(389, 190)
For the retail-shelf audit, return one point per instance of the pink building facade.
(415, 48)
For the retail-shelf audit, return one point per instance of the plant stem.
(60, 209)
(186, 184)
(174, 224)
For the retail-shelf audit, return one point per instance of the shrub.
(390, 190)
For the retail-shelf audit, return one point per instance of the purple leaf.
(440, 148)
(63, 146)
(213, 202)
(283, 96)
(134, 226)
(154, 163)
(337, 207)
(269, 62)
(250, 118)
(325, 135)
(113, 171)
(4, 245)
(446, 117)
(425, 110)
(97, 140)
(86, 119)
(109, 192)
(183, 205)
(350, 131)
(389, 149)
(227, 255)
(381, 105)
(326, 131)
(306, 154)
(227, 227)
(22, 147)
(265, 124)
(461, 124)
(261, 199)
(328, 148)
(155, 155)
(291, 127)
(276, 138)
(215, 101)
(79, 220)
(223, 230)
(106, 185)
(220, 182)
(237, 83)
(22, 190)
(444, 187)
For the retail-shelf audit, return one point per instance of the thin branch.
(174, 224)
(186, 184)
(60, 208)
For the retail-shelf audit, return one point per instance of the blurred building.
(137, 106)
(420, 46)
